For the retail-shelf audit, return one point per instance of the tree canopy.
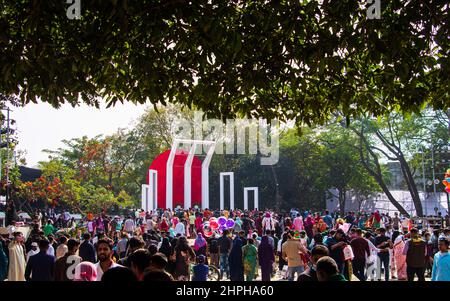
(288, 59)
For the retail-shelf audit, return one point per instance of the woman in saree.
(400, 259)
(200, 245)
(164, 226)
(237, 225)
(250, 258)
(362, 221)
(376, 223)
(309, 224)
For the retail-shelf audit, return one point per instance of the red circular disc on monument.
(160, 165)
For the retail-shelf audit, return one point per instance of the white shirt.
(373, 252)
(51, 251)
(149, 225)
(100, 271)
(398, 239)
(279, 246)
(31, 253)
(180, 229)
(389, 233)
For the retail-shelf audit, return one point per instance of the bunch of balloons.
(217, 224)
(446, 181)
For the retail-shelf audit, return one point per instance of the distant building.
(380, 202)
(28, 174)
(396, 177)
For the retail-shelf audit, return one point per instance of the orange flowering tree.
(61, 185)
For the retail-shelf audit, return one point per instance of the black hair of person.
(62, 239)
(105, 241)
(140, 258)
(152, 249)
(43, 244)
(151, 276)
(320, 250)
(318, 238)
(326, 265)
(72, 243)
(136, 243)
(119, 274)
(159, 260)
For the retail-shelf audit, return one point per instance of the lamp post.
(432, 170)
(424, 185)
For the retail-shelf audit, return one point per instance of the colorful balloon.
(222, 220)
(230, 223)
(447, 189)
(207, 229)
(214, 225)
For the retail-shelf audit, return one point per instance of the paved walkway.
(278, 277)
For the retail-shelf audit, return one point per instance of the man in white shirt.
(180, 228)
(51, 250)
(34, 250)
(371, 261)
(104, 255)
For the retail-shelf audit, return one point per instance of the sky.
(40, 126)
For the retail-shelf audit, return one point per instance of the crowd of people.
(168, 245)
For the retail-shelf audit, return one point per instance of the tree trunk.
(412, 187)
(377, 175)
(389, 195)
(342, 202)
(278, 198)
(448, 115)
(359, 199)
